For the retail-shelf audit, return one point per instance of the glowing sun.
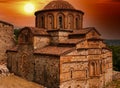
(29, 8)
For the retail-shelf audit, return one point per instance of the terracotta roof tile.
(53, 50)
(81, 31)
(14, 49)
(84, 31)
(58, 4)
(36, 31)
(6, 23)
(71, 41)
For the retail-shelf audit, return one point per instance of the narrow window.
(70, 22)
(50, 22)
(77, 23)
(60, 22)
(101, 67)
(42, 22)
(92, 69)
(71, 73)
(0, 72)
(69, 87)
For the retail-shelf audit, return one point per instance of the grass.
(17, 82)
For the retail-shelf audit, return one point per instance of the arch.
(101, 70)
(92, 69)
(25, 36)
(70, 21)
(50, 21)
(77, 22)
(71, 72)
(69, 87)
(24, 64)
(42, 21)
(23, 59)
(0, 72)
(78, 86)
(60, 20)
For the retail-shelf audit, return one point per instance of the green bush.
(16, 34)
(116, 57)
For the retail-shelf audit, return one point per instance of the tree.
(16, 34)
(116, 57)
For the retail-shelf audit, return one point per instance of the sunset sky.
(104, 15)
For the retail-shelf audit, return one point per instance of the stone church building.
(59, 53)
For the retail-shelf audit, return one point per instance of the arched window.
(92, 69)
(0, 72)
(71, 72)
(42, 22)
(101, 70)
(50, 21)
(69, 87)
(77, 22)
(78, 86)
(70, 22)
(25, 36)
(60, 21)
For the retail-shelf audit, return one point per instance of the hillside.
(17, 82)
(112, 42)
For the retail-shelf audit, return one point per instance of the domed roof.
(58, 4)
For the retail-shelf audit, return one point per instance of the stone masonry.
(6, 39)
(59, 52)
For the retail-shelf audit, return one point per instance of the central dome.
(58, 4)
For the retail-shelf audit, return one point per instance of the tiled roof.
(58, 4)
(53, 50)
(36, 31)
(84, 31)
(95, 38)
(71, 41)
(6, 23)
(14, 49)
(81, 31)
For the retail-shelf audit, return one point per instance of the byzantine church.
(59, 53)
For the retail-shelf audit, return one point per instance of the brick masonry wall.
(40, 41)
(73, 72)
(47, 71)
(22, 62)
(6, 41)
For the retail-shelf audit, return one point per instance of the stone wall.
(40, 41)
(6, 40)
(58, 35)
(73, 72)
(47, 71)
(96, 82)
(22, 62)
